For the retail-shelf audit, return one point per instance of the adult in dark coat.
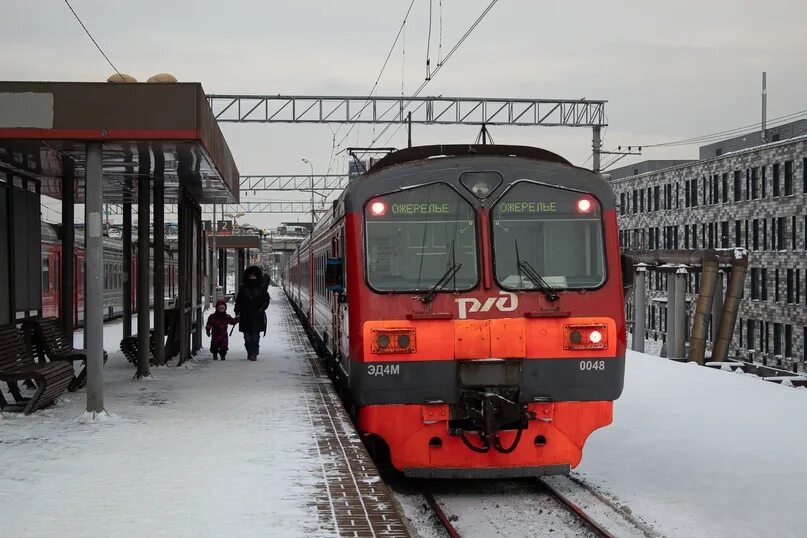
(250, 306)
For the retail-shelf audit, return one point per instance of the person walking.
(217, 325)
(250, 307)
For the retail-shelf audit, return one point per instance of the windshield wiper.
(440, 284)
(534, 276)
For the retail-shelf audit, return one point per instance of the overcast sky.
(669, 70)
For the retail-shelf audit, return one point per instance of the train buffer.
(231, 448)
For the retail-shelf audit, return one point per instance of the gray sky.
(669, 70)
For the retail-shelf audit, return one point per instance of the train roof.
(445, 162)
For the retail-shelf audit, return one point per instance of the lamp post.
(312, 193)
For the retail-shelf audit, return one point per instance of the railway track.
(554, 507)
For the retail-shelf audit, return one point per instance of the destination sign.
(528, 207)
(421, 209)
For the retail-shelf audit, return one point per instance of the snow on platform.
(217, 449)
(697, 451)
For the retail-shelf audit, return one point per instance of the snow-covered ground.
(695, 451)
(226, 449)
(220, 449)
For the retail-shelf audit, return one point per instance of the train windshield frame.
(419, 239)
(547, 233)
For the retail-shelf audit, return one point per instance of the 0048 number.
(586, 366)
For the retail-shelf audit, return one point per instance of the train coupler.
(486, 414)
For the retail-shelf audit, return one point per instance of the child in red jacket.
(217, 324)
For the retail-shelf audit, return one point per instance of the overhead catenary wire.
(722, 134)
(425, 83)
(92, 38)
(380, 73)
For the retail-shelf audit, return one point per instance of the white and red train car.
(469, 300)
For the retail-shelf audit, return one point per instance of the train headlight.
(383, 341)
(378, 208)
(584, 205)
(393, 340)
(585, 337)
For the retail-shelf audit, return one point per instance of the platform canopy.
(146, 129)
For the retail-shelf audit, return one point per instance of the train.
(468, 300)
(113, 275)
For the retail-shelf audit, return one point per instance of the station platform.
(232, 448)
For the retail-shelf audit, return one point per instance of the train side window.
(45, 274)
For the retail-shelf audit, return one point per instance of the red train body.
(113, 276)
(470, 302)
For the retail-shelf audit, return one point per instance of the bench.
(129, 347)
(17, 363)
(46, 339)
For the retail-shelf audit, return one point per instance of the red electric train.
(113, 275)
(469, 300)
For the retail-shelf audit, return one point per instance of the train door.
(78, 287)
(341, 328)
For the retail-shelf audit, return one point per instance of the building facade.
(752, 198)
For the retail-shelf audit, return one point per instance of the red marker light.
(584, 205)
(378, 209)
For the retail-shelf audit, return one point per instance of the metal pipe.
(67, 306)
(183, 279)
(159, 257)
(700, 321)
(94, 274)
(596, 146)
(143, 322)
(731, 306)
(639, 304)
(669, 346)
(127, 253)
(214, 263)
(679, 313)
(717, 306)
(764, 106)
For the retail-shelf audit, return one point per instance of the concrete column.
(159, 258)
(143, 202)
(679, 313)
(94, 274)
(67, 305)
(640, 307)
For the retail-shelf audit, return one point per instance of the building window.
(718, 152)
(738, 186)
(780, 233)
(747, 183)
(635, 200)
(755, 283)
(656, 198)
(776, 180)
(622, 203)
(738, 232)
(724, 234)
(755, 234)
(725, 188)
(804, 189)
(677, 195)
(788, 340)
(754, 183)
(776, 285)
(798, 286)
(788, 178)
(749, 334)
(777, 338)
(789, 286)
(641, 201)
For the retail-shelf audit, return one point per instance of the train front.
(487, 338)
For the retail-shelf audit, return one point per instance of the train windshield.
(421, 239)
(547, 237)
